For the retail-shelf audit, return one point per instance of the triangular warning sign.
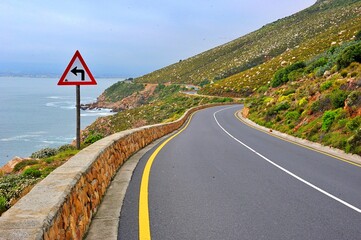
(77, 72)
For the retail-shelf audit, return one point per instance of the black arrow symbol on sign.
(75, 71)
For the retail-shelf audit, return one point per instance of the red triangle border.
(92, 79)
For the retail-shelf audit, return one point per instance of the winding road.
(218, 178)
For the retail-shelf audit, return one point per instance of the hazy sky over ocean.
(125, 38)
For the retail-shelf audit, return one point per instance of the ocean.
(36, 113)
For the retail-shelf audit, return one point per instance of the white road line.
(283, 169)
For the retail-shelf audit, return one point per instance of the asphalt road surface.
(220, 179)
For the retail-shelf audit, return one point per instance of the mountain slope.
(259, 46)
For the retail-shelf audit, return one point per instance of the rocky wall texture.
(62, 205)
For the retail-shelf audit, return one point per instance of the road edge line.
(143, 220)
(285, 170)
(300, 142)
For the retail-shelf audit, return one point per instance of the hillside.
(319, 99)
(290, 70)
(246, 82)
(301, 74)
(270, 41)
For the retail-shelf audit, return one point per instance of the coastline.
(43, 117)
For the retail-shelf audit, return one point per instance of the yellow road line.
(298, 144)
(144, 223)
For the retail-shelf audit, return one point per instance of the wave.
(24, 138)
(94, 114)
(63, 105)
(60, 97)
(68, 102)
(38, 133)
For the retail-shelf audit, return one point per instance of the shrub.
(47, 170)
(353, 124)
(32, 172)
(93, 137)
(326, 85)
(327, 120)
(338, 98)
(316, 64)
(279, 78)
(262, 89)
(354, 98)
(279, 107)
(321, 105)
(354, 142)
(3, 204)
(288, 92)
(292, 115)
(121, 90)
(303, 102)
(353, 74)
(12, 186)
(44, 153)
(222, 100)
(283, 75)
(295, 75)
(282, 106)
(204, 82)
(19, 166)
(358, 36)
(344, 73)
(348, 55)
(66, 147)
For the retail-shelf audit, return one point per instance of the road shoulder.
(105, 222)
(333, 152)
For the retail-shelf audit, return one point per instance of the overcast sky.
(125, 38)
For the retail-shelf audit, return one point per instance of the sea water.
(36, 113)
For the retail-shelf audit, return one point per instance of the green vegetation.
(288, 73)
(162, 91)
(296, 38)
(23, 164)
(12, 187)
(33, 172)
(349, 55)
(93, 137)
(29, 172)
(122, 89)
(322, 107)
(44, 153)
(165, 108)
(358, 36)
(301, 74)
(3, 206)
(312, 49)
(327, 120)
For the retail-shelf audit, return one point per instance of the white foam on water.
(24, 138)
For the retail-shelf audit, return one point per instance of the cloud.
(130, 36)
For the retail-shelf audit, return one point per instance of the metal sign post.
(70, 77)
(78, 116)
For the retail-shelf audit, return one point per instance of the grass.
(307, 33)
(323, 108)
(29, 172)
(166, 105)
(302, 100)
(166, 108)
(121, 89)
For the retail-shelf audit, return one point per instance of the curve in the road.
(220, 179)
(144, 223)
(283, 169)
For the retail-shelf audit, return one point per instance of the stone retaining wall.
(62, 205)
